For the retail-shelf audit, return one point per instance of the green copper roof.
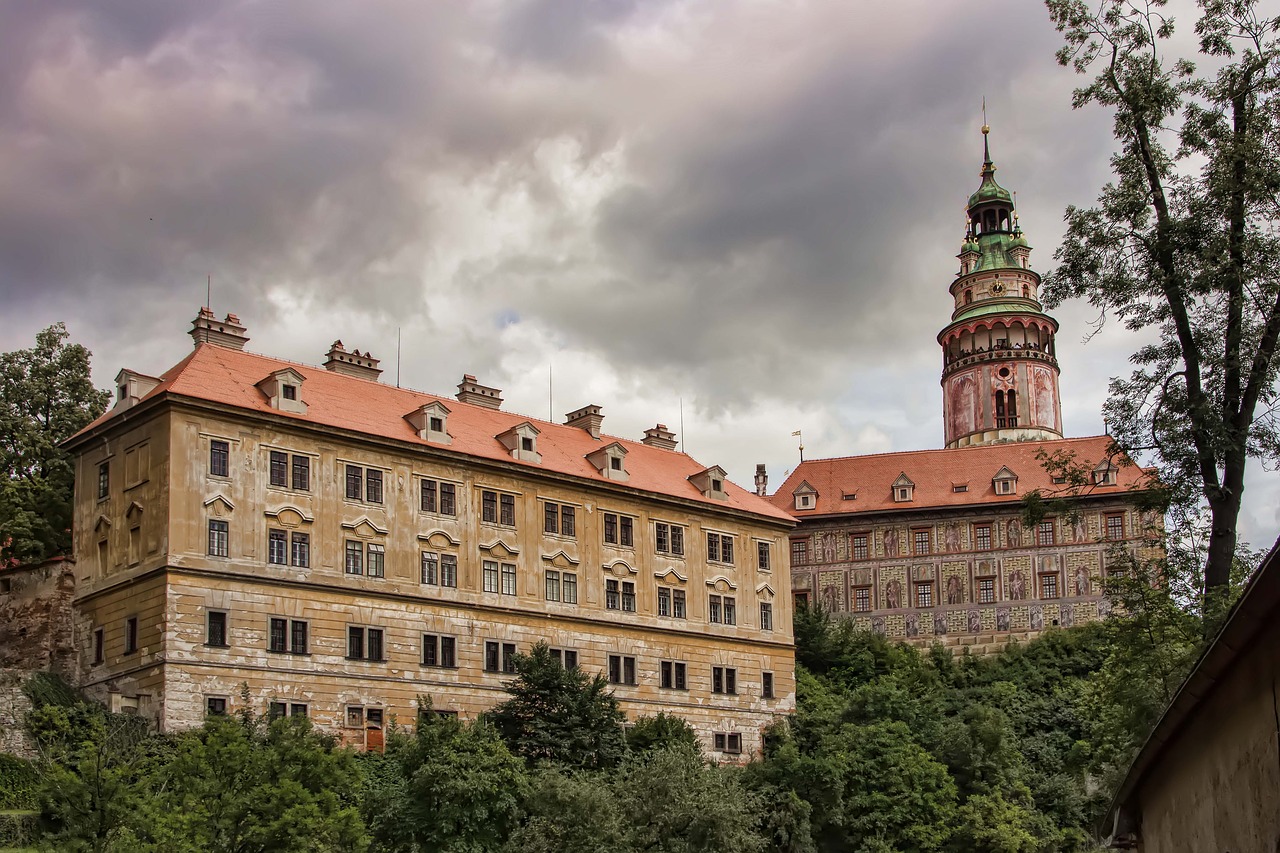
(995, 247)
(989, 190)
(996, 306)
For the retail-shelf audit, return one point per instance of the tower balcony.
(997, 352)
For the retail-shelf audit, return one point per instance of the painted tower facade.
(999, 362)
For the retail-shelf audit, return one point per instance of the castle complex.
(931, 545)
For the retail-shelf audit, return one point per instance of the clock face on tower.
(997, 288)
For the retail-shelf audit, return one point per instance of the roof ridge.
(949, 449)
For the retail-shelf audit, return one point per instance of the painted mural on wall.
(1042, 387)
(962, 404)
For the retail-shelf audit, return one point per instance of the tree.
(45, 397)
(1184, 244)
(560, 715)
(661, 730)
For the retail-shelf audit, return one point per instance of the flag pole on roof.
(797, 434)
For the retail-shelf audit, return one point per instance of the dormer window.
(610, 461)
(1005, 482)
(430, 422)
(804, 501)
(711, 483)
(290, 392)
(903, 489)
(122, 392)
(804, 496)
(283, 389)
(522, 441)
(615, 464)
(437, 424)
(1105, 473)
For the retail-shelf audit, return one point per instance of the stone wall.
(36, 617)
(14, 706)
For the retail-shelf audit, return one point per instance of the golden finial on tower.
(985, 127)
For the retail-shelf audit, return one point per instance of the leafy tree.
(1184, 244)
(662, 730)
(569, 813)
(45, 397)
(559, 715)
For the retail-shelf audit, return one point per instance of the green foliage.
(569, 813)
(559, 715)
(660, 731)
(45, 397)
(18, 782)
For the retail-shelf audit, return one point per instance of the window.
(986, 590)
(373, 486)
(375, 565)
(766, 616)
(724, 679)
(1044, 533)
(279, 469)
(355, 557)
(99, 646)
(215, 706)
(730, 742)
(489, 506)
(959, 487)
(431, 568)
(489, 576)
(216, 628)
(612, 595)
(302, 474)
(104, 480)
(567, 658)
(287, 636)
(924, 594)
(131, 635)
(671, 602)
(858, 546)
(1006, 486)
(553, 586)
(901, 494)
(669, 539)
(219, 459)
(277, 547)
(982, 537)
(559, 520)
(562, 586)
(622, 669)
(923, 541)
(722, 609)
(618, 530)
(766, 685)
(507, 510)
(862, 599)
(429, 497)
(219, 538)
(628, 597)
(300, 549)
(439, 569)
(508, 579)
(674, 675)
(799, 552)
(1115, 526)
(1104, 477)
(290, 392)
(439, 651)
(499, 657)
(720, 547)
(1048, 586)
(277, 709)
(762, 556)
(364, 644)
(355, 483)
(664, 601)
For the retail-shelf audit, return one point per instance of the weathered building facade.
(337, 547)
(931, 545)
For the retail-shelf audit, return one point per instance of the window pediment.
(289, 516)
(1005, 482)
(500, 549)
(219, 505)
(764, 590)
(561, 559)
(720, 583)
(364, 528)
(903, 489)
(668, 574)
(439, 539)
(620, 568)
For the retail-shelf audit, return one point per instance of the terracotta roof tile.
(228, 376)
(935, 472)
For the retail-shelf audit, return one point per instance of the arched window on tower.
(1006, 409)
(968, 297)
(1026, 292)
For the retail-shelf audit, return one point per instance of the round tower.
(999, 364)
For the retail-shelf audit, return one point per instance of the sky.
(739, 219)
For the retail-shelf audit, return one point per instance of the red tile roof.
(935, 472)
(227, 376)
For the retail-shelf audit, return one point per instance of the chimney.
(206, 328)
(762, 480)
(361, 366)
(659, 436)
(588, 418)
(471, 391)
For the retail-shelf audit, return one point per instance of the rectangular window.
(219, 538)
(762, 556)
(491, 656)
(374, 644)
(302, 473)
(719, 547)
(568, 521)
(489, 506)
(104, 480)
(428, 497)
(448, 499)
(715, 609)
(569, 588)
(1044, 533)
(862, 599)
(551, 519)
(766, 685)
(1048, 586)
(730, 610)
(982, 537)
(567, 658)
(508, 579)
(674, 675)
(300, 544)
(859, 547)
(508, 657)
(276, 710)
(215, 706)
(489, 575)
(375, 565)
(439, 651)
(364, 644)
(1115, 526)
(279, 469)
(622, 669)
(298, 636)
(724, 679)
(99, 646)
(355, 483)
(664, 601)
(677, 604)
(628, 597)
(728, 742)
(924, 594)
(373, 486)
(625, 531)
(766, 616)
(277, 547)
(278, 635)
(449, 570)
(799, 552)
(355, 557)
(507, 510)
(986, 590)
(612, 595)
(553, 586)
(219, 459)
(923, 543)
(216, 628)
(669, 539)
(131, 635)
(430, 568)
(448, 652)
(610, 529)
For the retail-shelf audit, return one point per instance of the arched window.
(1006, 409)
(1026, 292)
(968, 297)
